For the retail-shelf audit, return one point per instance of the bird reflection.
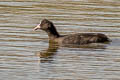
(48, 54)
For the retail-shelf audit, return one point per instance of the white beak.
(37, 27)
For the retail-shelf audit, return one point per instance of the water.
(27, 55)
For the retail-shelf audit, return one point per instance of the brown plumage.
(79, 38)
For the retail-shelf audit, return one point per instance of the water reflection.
(48, 54)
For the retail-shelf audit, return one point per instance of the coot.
(79, 38)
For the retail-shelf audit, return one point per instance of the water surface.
(27, 55)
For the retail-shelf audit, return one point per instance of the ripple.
(24, 52)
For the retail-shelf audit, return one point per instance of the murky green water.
(27, 55)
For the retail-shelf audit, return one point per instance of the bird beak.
(37, 27)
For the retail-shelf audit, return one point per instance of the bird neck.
(52, 33)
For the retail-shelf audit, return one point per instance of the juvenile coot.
(79, 38)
